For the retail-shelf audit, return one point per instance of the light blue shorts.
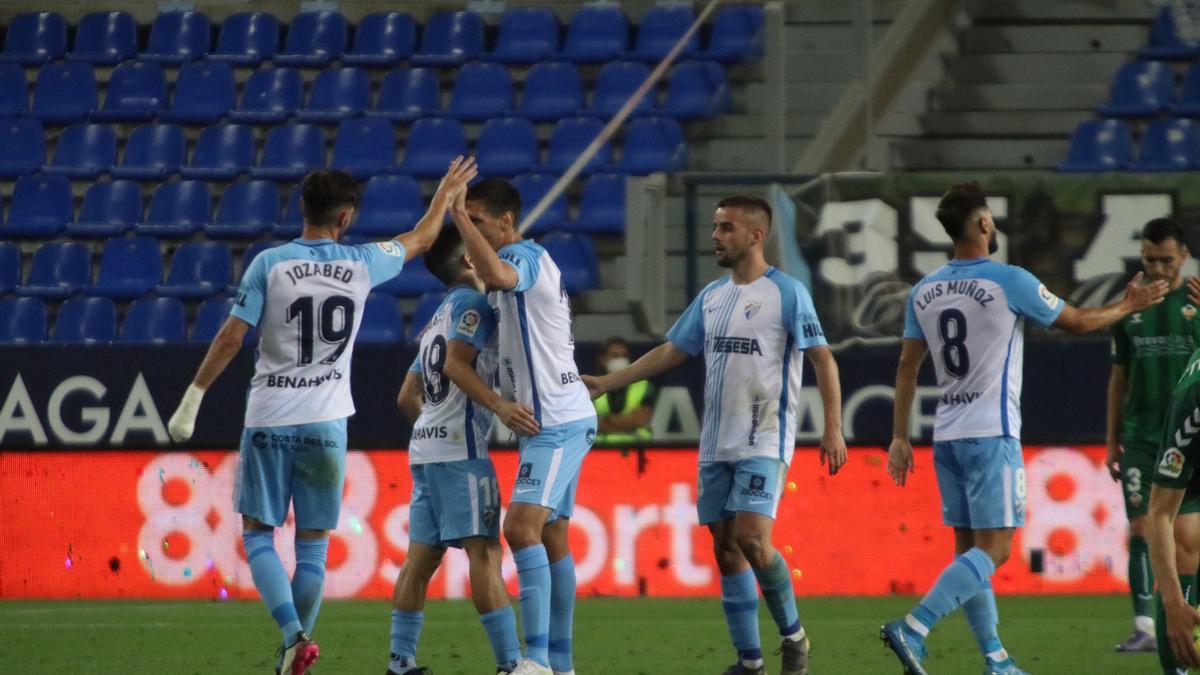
(982, 481)
(304, 465)
(548, 474)
(452, 501)
(754, 484)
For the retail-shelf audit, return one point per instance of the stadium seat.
(222, 152)
(10, 266)
(178, 209)
(110, 209)
(86, 321)
(432, 145)
(450, 39)
(129, 267)
(737, 34)
(602, 205)
(615, 85)
(248, 209)
(314, 39)
(1099, 145)
(136, 92)
(24, 147)
(527, 35)
(576, 260)
(414, 280)
(178, 37)
(481, 91)
(653, 144)
(660, 28)
(22, 321)
(59, 270)
(696, 90)
(507, 146)
(41, 207)
(382, 39)
(84, 150)
(65, 93)
(271, 96)
(407, 94)
(1165, 41)
(292, 225)
(247, 39)
(533, 187)
(1169, 145)
(364, 147)
(571, 136)
(1141, 89)
(291, 151)
(153, 152)
(427, 306)
(1188, 104)
(552, 91)
(390, 205)
(105, 38)
(211, 314)
(337, 93)
(204, 93)
(381, 321)
(597, 34)
(154, 321)
(35, 38)
(14, 90)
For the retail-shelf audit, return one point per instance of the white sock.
(752, 663)
(998, 655)
(920, 628)
(797, 636)
(1144, 624)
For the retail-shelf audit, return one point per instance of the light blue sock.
(562, 613)
(739, 597)
(533, 573)
(271, 580)
(309, 579)
(776, 584)
(501, 628)
(406, 630)
(962, 579)
(983, 619)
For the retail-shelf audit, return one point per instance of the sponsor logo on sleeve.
(391, 248)
(1172, 463)
(1052, 301)
(468, 323)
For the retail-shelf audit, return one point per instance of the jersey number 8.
(952, 329)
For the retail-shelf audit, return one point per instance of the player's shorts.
(1137, 474)
(982, 481)
(550, 462)
(452, 501)
(304, 465)
(754, 484)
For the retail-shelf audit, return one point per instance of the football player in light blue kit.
(448, 397)
(971, 314)
(537, 370)
(306, 298)
(752, 327)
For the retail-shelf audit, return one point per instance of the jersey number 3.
(332, 331)
(952, 329)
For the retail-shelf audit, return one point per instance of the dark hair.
(497, 195)
(747, 203)
(957, 206)
(444, 258)
(325, 192)
(1160, 229)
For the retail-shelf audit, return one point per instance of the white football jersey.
(752, 336)
(307, 298)
(971, 314)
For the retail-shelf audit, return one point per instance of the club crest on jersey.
(1136, 317)
(1172, 463)
(1188, 312)
(1047, 297)
(391, 248)
(752, 308)
(468, 323)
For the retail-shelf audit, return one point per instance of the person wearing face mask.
(623, 414)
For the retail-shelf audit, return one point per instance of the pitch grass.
(1048, 635)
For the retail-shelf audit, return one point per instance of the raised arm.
(418, 240)
(495, 274)
(224, 346)
(833, 444)
(900, 463)
(1137, 297)
(653, 362)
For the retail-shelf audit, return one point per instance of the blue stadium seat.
(407, 94)
(381, 321)
(291, 151)
(136, 92)
(450, 39)
(426, 307)
(211, 314)
(59, 270)
(35, 38)
(248, 209)
(10, 266)
(534, 186)
(615, 84)
(597, 34)
(364, 147)
(64, 93)
(178, 37)
(178, 209)
(153, 152)
(414, 280)
(292, 225)
(1188, 104)
(204, 93)
(24, 147)
(660, 28)
(14, 90)
(1165, 42)
(41, 207)
(481, 91)
(653, 144)
(507, 146)
(552, 91)
(86, 321)
(571, 136)
(696, 90)
(247, 39)
(110, 209)
(527, 35)
(390, 205)
(1141, 89)
(382, 39)
(576, 259)
(129, 267)
(1169, 145)
(314, 39)
(199, 269)
(737, 34)
(84, 151)
(1099, 145)
(432, 145)
(222, 152)
(271, 96)
(602, 205)
(337, 93)
(22, 320)
(154, 321)
(105, 38)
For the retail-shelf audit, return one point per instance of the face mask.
(616, 364)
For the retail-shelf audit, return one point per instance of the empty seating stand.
(382, 39)
(178, 37)
(35, 38)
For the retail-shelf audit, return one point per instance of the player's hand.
(1113, 460)
(833, 447)
(1182, 620)
(900, 460)
(1139, 296)
(1193, 285)
(518, 418)
(462, 171)
(595, 385)
(183, 422)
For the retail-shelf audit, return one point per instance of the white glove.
(183, 422)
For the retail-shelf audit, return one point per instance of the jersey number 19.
(331, 330)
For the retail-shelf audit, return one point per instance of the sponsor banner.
(141, 524)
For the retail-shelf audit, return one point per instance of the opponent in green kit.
(1149, 351)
